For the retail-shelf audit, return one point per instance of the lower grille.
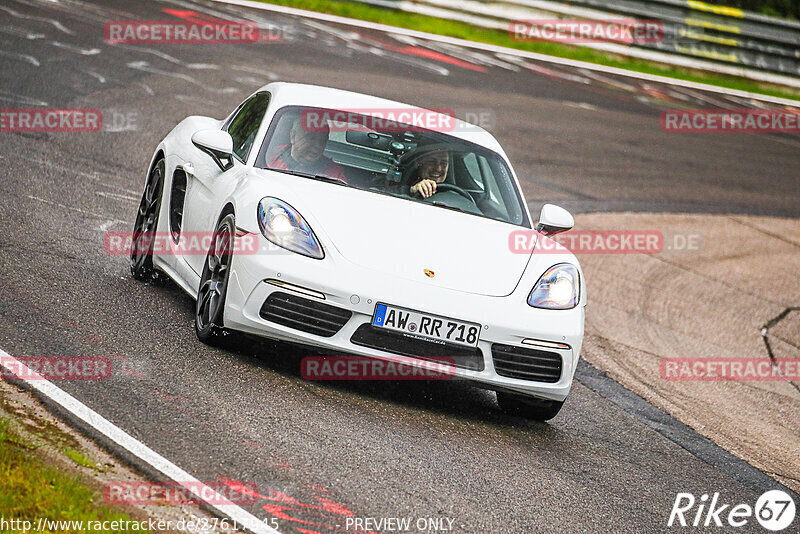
(395, 342)
(526, 364)
(304, 314)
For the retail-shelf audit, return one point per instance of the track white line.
(117, 196)
(77, 210)
(507, 51)
(66, 401)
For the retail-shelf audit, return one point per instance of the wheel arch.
(159, 154)
(227, 209)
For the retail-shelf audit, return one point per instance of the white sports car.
(367, 227)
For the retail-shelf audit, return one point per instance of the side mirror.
(554, 220)
(217, 144)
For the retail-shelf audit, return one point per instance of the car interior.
(477, 180)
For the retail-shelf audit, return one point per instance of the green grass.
(469, 32)
(787, 9)
(80, 459)
(30, 490)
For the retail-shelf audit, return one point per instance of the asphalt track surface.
(321, 451)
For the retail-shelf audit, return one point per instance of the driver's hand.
(425, 188)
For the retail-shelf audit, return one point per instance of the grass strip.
(30, 489)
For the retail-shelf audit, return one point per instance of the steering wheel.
(441, 188)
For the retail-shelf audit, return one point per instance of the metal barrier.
(722, 35)
(714, 32)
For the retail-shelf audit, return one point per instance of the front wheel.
(144, 229)
(210, 307)
(528, 407)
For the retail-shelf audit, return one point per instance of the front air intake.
(306, 315)
(526, 364)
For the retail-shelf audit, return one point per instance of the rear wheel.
(144, 228)
(528, 407)
(210, 307)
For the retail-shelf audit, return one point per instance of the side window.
(491, 180)
(471, 165)
(243, 127)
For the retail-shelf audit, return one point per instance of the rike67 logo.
(774, 510)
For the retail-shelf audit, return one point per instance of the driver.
(431, 170)
(304, 153)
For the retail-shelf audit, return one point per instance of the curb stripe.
(69, 403)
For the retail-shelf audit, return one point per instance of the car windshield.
(383, 155)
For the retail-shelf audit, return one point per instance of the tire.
(528, 407)
(145, 226)
(210, 307)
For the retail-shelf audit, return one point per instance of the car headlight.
(281, 224)
(557, 289)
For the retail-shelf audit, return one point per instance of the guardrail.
(692, 29)
(714, 32)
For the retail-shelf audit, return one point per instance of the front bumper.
(504, 320)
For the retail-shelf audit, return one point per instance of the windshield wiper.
(445, 206)
(329, 179)
(319, 177)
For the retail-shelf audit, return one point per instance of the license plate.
(425, 326)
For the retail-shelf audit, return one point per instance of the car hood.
(410, 240)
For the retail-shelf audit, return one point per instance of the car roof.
(298, 94)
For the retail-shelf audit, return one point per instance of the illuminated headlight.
(557, 289)
(282, 225)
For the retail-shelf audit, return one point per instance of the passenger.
(431, 170)
(304, 153)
